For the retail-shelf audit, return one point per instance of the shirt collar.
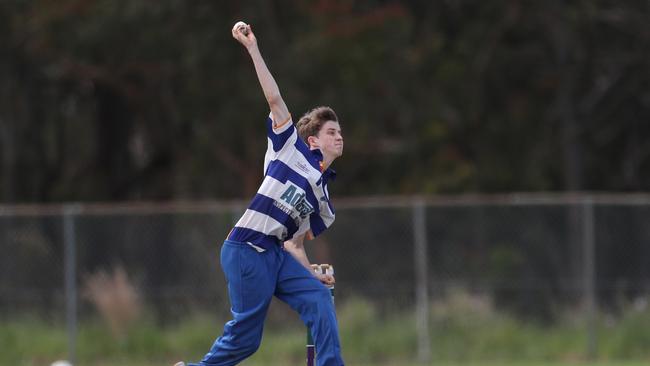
(329, 173)
(317, 154)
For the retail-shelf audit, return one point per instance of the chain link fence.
(530, 254)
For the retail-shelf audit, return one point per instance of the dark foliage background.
(115, 100)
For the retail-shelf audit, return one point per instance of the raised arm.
(244, 34)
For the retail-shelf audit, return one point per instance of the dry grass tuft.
(115, 297)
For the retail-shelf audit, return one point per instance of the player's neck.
(327, 161)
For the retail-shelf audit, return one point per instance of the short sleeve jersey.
(293, 198)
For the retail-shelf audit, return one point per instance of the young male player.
(264, 254)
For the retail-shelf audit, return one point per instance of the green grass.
(433, 364)
(464, 332)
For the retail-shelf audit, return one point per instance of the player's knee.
(325, 296)
(322, 301)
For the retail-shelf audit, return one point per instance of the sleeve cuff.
(280, 126)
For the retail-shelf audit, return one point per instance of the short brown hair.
(311, 123)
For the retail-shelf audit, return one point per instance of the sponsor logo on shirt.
(302, 167)
(296, 198)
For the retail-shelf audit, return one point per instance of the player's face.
(330, 139)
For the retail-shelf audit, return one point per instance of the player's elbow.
(274, 99)
(292, 245)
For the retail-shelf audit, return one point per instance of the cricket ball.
(61, 363)
(243, 26)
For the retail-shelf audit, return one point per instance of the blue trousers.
(253, 279)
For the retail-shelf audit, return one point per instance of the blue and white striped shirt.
(293, 198)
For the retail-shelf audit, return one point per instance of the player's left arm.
(296, 247)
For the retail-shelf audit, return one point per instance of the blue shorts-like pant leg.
(253, 278)
(251, 282)
(305, 294)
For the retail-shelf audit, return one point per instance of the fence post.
(589, 274)
(70, 268)
(421, 282)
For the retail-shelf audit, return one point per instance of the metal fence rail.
(529, 253)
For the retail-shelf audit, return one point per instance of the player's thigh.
(298, 287)
(249, 281)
